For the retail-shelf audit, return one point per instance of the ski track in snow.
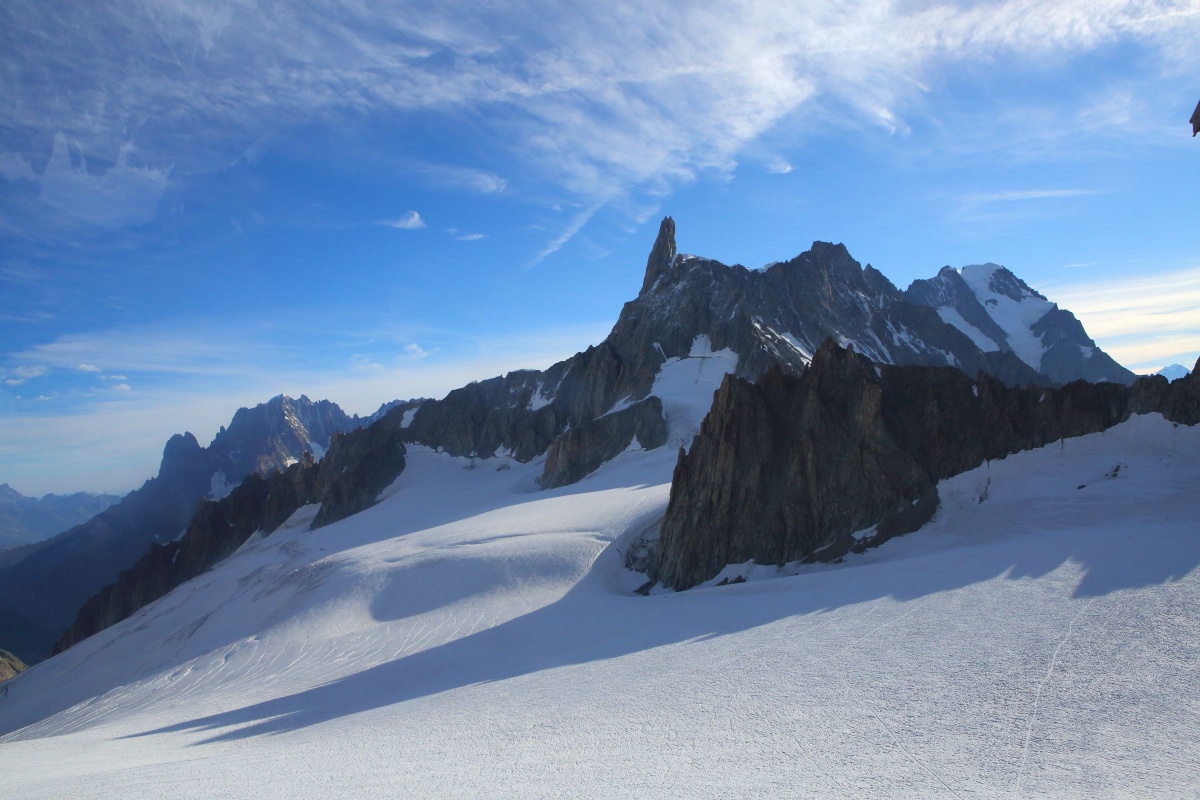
(1037, 698)
(471, 637)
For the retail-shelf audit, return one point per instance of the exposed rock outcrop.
(786, 468)
(10, 665)
(580, 451)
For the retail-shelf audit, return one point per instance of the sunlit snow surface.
(472, 637)
(1015, 317)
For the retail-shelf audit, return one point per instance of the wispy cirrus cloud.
(593, 100)
(410, 221)
(1144, 320)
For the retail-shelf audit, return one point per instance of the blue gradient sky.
(205, 204)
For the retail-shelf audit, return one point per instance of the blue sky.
(203, 204)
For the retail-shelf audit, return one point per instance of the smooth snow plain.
(472, 636)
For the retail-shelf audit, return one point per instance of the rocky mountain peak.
(662, 255)
(998, 280)
(181, 450)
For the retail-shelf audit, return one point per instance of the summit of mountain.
(1001, 313)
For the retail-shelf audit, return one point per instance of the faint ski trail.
(1037, 699)
(850, 690)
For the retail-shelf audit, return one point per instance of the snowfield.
(471, 636)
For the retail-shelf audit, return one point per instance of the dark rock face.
(786, 468)
(28, 520)
(43, 586)
(275, 433)
(10, 665)
(358, 466)
(948, 289)
(580, 451)
(783, 467)
(1071, 352)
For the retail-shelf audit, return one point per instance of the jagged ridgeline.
(587, 409)
(787, 468)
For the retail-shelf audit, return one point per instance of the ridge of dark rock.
(776, 316)
(788, 467)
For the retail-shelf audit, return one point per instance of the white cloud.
(409, 222)
(30, 370)
(1016, 204)
(414, 351)
(122, 387)
(574, 225)
(1142, 319)
(595, 100)
(119, 196)
(1016, 196)
(778, 166)
(456, 177)
(471, 237)
(88, 368)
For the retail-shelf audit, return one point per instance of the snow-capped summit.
(1174, 372)
(1001, 313)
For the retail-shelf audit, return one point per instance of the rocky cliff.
(787, 468)
(771, 317)
(10, 665)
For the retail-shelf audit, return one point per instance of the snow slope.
(472, 637)
(1014, 308)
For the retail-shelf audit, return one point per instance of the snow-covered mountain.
(43, 586)
(1174, 372)
(441, 606)
(761, 318)
(469, 636)
(26, 520)
(582, 412)
(1000, 313)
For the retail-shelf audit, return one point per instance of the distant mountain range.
(27, 520)
(43, 585)
(597, 404)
